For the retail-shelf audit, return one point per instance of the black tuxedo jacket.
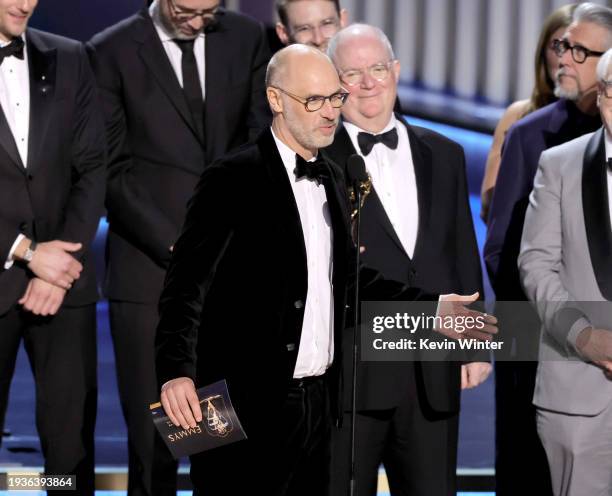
(445, 259)
(234, 297)
(59, 193)
(156, 154)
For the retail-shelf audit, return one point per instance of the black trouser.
(152, 470)
(417, 447)
(520, 455)
(62, 354)
(288, 457)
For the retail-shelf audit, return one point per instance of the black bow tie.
(314, 171)
(367, 141)
(14, 48)
(609, 163)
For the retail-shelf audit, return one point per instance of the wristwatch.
(29, 253)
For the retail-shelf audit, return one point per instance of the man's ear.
(396, 70)
(344, 18)
(282, 33)
(274, 99)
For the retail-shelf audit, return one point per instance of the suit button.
(30, 177)
(298, 304)
(23, 226)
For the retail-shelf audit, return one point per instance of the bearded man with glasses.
(565, 252)
(182, 83)
(575, 113)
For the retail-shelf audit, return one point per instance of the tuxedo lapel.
(42, 65)
(338, 208)
(280, 188)
(421, 159)
(7, 142)
(596, 212)
(216, 85)
(155, 58)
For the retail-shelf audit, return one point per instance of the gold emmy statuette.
(365, 187)
(216, 423)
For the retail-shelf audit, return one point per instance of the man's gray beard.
(572, 95)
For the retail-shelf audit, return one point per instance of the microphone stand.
(357, 190)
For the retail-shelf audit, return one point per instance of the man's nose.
(197, 23)
(367, 81)
(317, 37)
(329, 111)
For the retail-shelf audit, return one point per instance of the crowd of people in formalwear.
(222, 171)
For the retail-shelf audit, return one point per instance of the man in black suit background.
(52, 179)
(182, 82)
(256, 290)
(416, 227)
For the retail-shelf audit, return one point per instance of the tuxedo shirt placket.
(315, 353)
(15, 102)
(394, 180)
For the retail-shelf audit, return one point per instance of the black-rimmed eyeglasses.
(183, 15)
(579, 53)
(316, 102)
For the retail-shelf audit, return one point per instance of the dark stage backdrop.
(81, 19)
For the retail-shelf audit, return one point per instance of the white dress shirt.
(393, 178)
(15, 101)
(175, 56)
(316, 351)
(608, 145)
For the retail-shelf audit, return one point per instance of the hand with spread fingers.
(461, 322)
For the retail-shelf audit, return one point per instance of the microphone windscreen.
(355, 167)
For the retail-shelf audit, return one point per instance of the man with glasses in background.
(182, 83)
(416, 228)
(310, 22)
(574, 114)
(565, 257)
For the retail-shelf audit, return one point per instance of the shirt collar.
(164, 35)
(287, 154)
(354, 130)
(5, 43)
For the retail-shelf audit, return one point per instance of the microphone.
(356, 172)
(361, 185)
(359, 182)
